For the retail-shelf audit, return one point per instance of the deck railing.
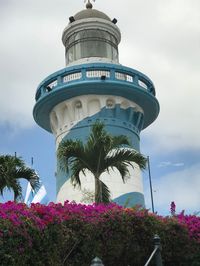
(63, 77)
(156, 254)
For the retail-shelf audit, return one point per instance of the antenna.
(89, 4)
(88, 1)
(150, 183)
(31, 161)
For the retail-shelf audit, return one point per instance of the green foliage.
(73, 234)
(12, 169)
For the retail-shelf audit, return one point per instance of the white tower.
(92, 86)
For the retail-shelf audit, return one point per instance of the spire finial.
(89, 4)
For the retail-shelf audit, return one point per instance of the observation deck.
(99, 79)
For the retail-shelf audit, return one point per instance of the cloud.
(163, 43)
(166, 164)
(28, 39)
(167, 51)
(182, 187)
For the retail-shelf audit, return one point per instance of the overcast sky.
(160, 38)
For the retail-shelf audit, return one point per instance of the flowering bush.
(73, 234)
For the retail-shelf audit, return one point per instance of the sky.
(160, 38)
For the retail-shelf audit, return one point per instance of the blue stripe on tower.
(130, 199)
(117, 121)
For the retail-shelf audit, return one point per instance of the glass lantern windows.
(91, 43)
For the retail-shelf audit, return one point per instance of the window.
(123, 76)
(53, 84)
(97, 73)
(73, 76)
(142, 84)
(110, 103)
(91, 43)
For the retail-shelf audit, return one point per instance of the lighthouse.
(95, 86)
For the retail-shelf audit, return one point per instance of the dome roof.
(91, 13)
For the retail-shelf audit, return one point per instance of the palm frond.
(73, 159)
(76, 168)
(11, 160)
(67, 150)
(119, 141)
(12, 168)
(122, 167)
(12, 184)
(129, 156)
(98, 138)
(17, 189)
(98, 129)
(98, 146)
(122, 159)
(30, 175)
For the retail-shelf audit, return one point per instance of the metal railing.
(97, 262)
(156, 252)
(90, 73)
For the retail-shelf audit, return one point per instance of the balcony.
(95, 79)
(94, 72)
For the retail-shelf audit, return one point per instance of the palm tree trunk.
(15, 197)
(98, 190)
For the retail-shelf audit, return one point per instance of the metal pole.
(157, 244)
(97, 262)
(32, 162)
(74, 246)
(150, 258)
(149, 170)
(156, 252)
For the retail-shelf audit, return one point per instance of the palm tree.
(99, 154)
(13, 168)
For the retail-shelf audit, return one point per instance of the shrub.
(73, 234)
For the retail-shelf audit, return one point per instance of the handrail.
(151, 257)
(156, 252)
(63, 77)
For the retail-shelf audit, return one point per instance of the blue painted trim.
(130, 199)
(117, 117)
(93, 66)
(144, 99)
(46, 100)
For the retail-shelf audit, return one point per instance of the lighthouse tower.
(95, 86)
